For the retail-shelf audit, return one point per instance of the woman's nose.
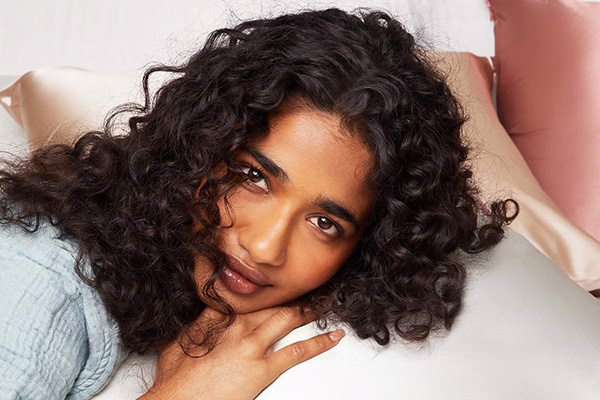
(266, 235)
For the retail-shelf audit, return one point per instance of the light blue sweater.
(57, 340)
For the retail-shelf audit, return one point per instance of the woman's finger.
(295, 353)
(285, 320)
(257, 318)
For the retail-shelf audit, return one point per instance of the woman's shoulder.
(56, 337)
(37, 265)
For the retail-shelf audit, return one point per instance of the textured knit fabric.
(57, 340)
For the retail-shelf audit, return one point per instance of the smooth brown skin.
(276, 232)
(276, 228)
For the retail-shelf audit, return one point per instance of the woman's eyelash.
(251, 168)
(338, 228)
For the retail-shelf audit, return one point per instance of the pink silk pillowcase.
(500, 171)
(548, 97)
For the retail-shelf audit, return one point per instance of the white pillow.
(526, 331)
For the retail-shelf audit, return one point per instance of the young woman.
(312, 161)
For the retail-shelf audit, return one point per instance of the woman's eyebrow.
(268, 164)
(336, 209)
(326, 204)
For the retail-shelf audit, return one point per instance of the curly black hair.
(129, 200)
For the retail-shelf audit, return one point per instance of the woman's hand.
(243, 363)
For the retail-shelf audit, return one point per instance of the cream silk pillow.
(61, 101)
(54, 104)
(548, 62)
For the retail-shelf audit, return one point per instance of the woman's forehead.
(313, 156)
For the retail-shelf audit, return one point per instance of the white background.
(111, 35)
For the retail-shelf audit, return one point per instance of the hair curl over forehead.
(130, 200)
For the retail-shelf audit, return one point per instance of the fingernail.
(337, 334)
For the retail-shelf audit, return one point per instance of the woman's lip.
(237, 283)
(251, 275)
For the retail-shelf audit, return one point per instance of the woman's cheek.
(320, 266)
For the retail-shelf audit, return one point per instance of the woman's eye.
(255, 176)
(328, 226)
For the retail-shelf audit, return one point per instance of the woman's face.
(299, 215)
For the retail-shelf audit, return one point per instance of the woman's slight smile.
(298, 216)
